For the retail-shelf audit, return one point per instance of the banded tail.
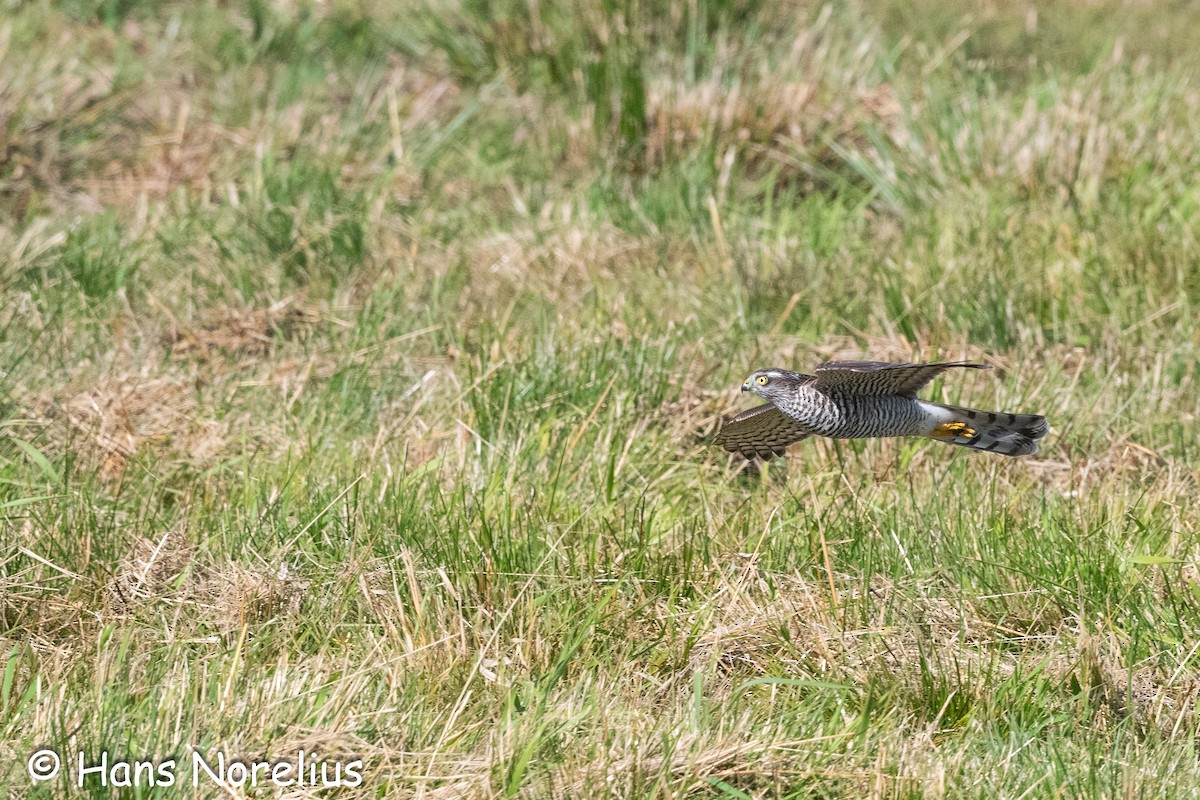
(993, 431)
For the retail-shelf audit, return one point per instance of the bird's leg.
(952, 430)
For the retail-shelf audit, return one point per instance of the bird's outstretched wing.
(880, 377)
(763, 431)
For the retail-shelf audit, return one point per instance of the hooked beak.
(746, 386)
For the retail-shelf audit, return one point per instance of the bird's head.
(771, 384)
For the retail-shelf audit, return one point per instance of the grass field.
(358, 361)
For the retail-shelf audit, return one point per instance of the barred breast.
(878, 415)
(852, 416)
(814, 410)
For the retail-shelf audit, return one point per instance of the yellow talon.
(952, 430)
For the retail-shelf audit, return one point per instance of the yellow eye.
(761, 380)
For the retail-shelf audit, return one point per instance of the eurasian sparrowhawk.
(856, 399)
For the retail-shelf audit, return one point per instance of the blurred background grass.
(357, 360)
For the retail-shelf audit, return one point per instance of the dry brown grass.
(250, 331)
(115, 420)
(239, 598)
(148, 572)
(789, 126)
